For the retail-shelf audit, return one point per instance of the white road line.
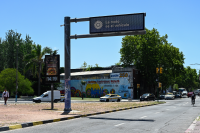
(157, 112)
(119, 124)
(143, 116)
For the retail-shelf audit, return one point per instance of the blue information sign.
(117, 23)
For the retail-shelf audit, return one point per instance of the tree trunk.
(39, 79)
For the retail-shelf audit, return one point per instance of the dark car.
(178, 95)
(162, 96)
(147, 97)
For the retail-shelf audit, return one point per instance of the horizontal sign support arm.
(79, 19)
(109, 34)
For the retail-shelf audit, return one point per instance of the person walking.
(5, 96)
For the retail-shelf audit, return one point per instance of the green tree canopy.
(8, 81)
(149, 51)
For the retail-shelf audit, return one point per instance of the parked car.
(162, 96)
(189, 94)
(110, 98)
(184, 94)
(147, 97)
(46, 97)
(178, 95)
(170, 96)
(196, 92)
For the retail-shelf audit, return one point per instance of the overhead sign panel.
(117, 23)
(52, 69)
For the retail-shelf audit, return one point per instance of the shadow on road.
(148, 120)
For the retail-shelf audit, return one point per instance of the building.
(114, 79)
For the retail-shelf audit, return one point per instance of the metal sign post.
(52, 72)
(67, 51)
(52, 96)
(117, 25)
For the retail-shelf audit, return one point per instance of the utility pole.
(16, 74)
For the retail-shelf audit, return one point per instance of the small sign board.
(117, 23)
(52, 69)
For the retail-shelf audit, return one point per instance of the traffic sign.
(117, 23)
(52, 69)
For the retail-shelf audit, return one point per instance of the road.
(174, 116)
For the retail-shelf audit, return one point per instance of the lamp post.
(16, 74)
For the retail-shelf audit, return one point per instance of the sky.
(41, 20)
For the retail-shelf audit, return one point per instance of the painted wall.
(100, 87)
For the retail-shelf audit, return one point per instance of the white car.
(110, 98)
(170, 96)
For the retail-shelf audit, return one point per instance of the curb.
(29, 124)
(192, 126)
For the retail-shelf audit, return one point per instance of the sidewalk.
(30, 99)
(194, 127)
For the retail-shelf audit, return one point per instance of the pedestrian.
(5, 96)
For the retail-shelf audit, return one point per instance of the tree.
(8, 81)
(36, 62)
(84, 66)
(8, 51)
(149, 51)
(119, 63)
(188, 79)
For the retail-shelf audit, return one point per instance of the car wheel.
(118, 100)
(154, 99)
(55, 101)
(107, 100)
(39, 101)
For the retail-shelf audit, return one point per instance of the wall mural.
(95, 88)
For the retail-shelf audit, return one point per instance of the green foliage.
(149, 51)
(8, 81)
(90, 68)
(175, 87)
(188, 79)
(119, 63)
(84, 66)
(36, 61)
(8, 51)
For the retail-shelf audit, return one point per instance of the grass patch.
(85, 99)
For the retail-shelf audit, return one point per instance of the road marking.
(167, 109)
(143, 116)
(119, 124)
(157, 112)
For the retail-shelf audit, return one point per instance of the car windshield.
(145, 94)
(42, 95)
(107, 96)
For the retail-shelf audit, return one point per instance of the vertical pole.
(16, 76)
(157, 93)
(67, 64)
(52, 96)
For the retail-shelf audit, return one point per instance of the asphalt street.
(174, 116)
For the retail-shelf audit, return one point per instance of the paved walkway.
(194, 127)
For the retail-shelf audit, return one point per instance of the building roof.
(89, 72)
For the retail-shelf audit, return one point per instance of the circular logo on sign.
(98, 24)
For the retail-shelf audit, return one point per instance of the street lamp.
(16, 75)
